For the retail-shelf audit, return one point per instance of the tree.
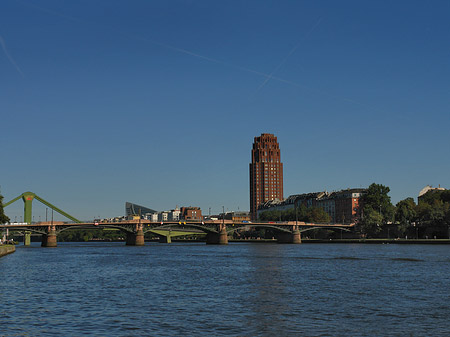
(433, 195)
(405, 214)
(377, 209)
(433, 213)
(317, 215)
(371, 223)
(445, 196)
(3, 217)
(377, 199)
(312, 214)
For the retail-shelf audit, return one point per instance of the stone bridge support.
(26, 238)
(49, 239)
(220, 238)
(293, 237)
(136, 238)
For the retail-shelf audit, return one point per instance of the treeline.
(80, 235)
(311, 214)
(430, 218)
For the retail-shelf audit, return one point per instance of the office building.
(266, 172)
(133, 209)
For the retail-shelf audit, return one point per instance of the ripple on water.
(237, 290)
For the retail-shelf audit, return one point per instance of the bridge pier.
(293, 237)
(296, 237)
(49, 240)
(220, 238)
(135, 239)
(26, 238)
(165, 239)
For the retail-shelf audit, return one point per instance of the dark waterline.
(193, 289)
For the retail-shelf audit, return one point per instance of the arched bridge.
(216, 231)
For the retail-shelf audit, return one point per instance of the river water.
(193, 289)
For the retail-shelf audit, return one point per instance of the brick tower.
(266, 172)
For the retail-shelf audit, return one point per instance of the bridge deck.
(174, 223)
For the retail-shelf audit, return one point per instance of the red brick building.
(266, 172)
(347, 205)
(191, 213)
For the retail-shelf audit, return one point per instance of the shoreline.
(4, 251)
(381, 241)
(358, 241)
(7, 249)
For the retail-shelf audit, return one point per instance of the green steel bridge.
(216, 231)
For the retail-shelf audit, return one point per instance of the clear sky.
(158, 102)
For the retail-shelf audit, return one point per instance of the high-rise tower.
(266, 172)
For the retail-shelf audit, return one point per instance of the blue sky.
(158, 102)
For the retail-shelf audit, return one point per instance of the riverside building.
(266, 172)
(342, 206)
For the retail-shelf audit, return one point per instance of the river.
(193, 289)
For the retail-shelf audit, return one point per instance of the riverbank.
(304, 240)
(7, 249)
(365, 241)
(382, 241)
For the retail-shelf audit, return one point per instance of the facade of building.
(174, 215)
(342, 206)
(347, 205)
(328, 203)
(191, 213)
(235, 216)
(133, 209)
(266, 172)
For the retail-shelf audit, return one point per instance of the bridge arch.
(233, 228)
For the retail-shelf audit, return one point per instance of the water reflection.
(235, 290)
(270, 296)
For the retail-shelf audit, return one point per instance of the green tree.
(445, 196)
(405, 214)
(3, 217)
(312, 214)
(377, 209)
(371, 223)
(433, 195)
(434, 213)
(317, 215)
(377, 199)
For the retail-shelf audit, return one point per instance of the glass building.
(133, 209)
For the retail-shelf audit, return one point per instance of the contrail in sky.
(268, 78)
(188, 52)
(10, 58)
(164, 45)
